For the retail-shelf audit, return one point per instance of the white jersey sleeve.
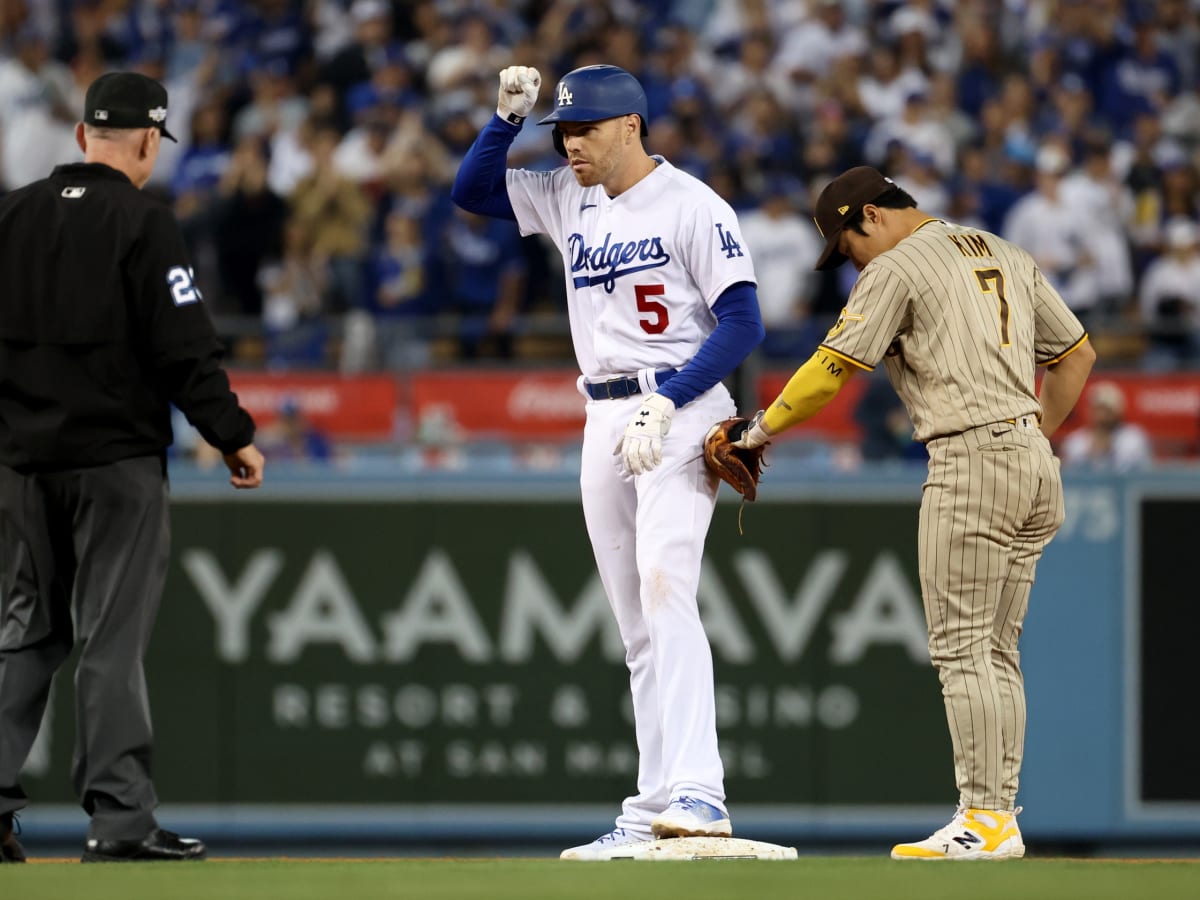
(538, 199)
(714, 252)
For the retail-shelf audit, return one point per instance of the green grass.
(526, 879)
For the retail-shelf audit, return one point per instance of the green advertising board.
(417, 652)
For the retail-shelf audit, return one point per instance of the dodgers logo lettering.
(728, 243)
(565, 98)
(613, 259)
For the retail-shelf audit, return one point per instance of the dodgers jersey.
(643, 269)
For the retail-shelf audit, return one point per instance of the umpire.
(101, 330)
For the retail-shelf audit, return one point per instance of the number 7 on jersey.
(992, 281)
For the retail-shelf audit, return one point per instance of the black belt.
(619, 388)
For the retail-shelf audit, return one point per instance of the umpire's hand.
(245, 467)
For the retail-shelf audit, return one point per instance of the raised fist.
(519, 87)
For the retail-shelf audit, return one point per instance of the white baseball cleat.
(616, 843)
(690, 817)
(972, 834)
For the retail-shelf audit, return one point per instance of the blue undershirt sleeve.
(739, 330)
(480, 185)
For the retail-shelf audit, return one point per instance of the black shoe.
(158, 846)
(11, 850)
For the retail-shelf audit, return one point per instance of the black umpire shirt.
(101, 328)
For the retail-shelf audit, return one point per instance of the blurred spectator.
(275, 104)
(357, 61)
(917, 171)
(206, 158)
(1140, 159)
(360, 155)
(1107, 442)
(398, 288)
(92, 27)
(482, 280)
(887, 432)
(1137, 77)
(293, 326)
(293, 437)
(982, 64)
(1093, 194)
(389, 89)
(1180, 191)
(944, 107)
(818, 41)
(332, 213)
(1043, 224)
(37, 124)
(784, 246)
(1178, 36)
(188, 48)
(248, 222)
(915, 128)
(1170, 299)
(279, 30)
(752, 72)
(476, 53)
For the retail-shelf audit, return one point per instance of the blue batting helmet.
(593, 93)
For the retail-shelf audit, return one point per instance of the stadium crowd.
(318, 139)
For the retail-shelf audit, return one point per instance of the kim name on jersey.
(613, 259)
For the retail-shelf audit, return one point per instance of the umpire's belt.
(618, 388)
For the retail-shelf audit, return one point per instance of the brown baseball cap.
(841, 200)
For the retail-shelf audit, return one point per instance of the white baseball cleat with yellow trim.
(971, 834)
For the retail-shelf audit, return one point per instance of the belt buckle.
(626, 388)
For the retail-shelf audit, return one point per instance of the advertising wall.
(395, 651)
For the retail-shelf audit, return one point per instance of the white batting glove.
(519, 86)
(641, 446)
(754, 436)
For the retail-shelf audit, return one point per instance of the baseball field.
(536, 879)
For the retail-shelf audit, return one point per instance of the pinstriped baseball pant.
(991, 503)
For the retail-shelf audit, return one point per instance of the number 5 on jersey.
(661, 320)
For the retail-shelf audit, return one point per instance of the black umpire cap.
(126, 100)
(841, 201)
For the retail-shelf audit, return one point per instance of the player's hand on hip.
(754, 436)
(640, 446)
(519, 86)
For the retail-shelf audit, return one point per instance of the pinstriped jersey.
(962, 319)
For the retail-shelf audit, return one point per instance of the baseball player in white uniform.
(662, 304)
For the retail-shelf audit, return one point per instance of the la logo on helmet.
(565, 97)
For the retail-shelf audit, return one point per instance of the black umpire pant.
(83, 557)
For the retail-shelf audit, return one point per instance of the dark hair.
(892, 198)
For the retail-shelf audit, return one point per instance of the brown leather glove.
(736, 466)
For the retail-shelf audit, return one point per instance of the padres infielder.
(961, 319)
(662, 304)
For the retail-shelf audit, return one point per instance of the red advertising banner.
(546, 404)
(1166, 405)
(351, 407)
(834, 423)
(543, 404)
